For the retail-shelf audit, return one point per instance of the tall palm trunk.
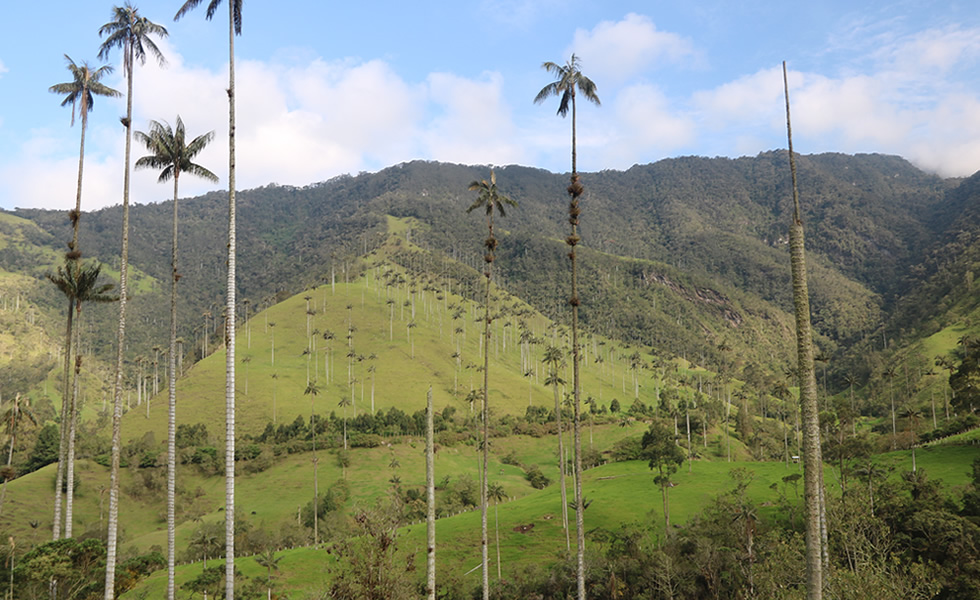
(316, 475)
(812, 460)
(172, 405)
(73, 256)
(230, 326)
(78, 187)
(72, 428)
(562, 467)
(113, 517)
(65, 418)
(430, 492)
(575, 190)
(484, 545)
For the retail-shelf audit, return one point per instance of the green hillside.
(362, 293)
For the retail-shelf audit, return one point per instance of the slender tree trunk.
(316, 477)
(575, 191)
(172, 406)
(112, 533)
(65, 416)
(72, 428)
(430, 492)
(561, 464)
(230, 327)
(690, 454)
(812, 460)
(78, 187)
(486, 430)
(496, 534)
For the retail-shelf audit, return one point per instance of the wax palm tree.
(17, 410)
(889, 374)
(871, 472)
(430, 493)
(132, 33)
(173, 156)
(495, 492)
(912, 416)
(344, 403)
(313, 391)
(569, 81)
(812, 460)
(490, 199)
(86, 83)
(554, 358)
(80, 284)
(79, 93)
(270, 562)
(234, 27)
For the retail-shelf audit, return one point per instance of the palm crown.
(212, 8)
(79, 283)
(568, 77)
(85, 84)
(130, 32)
(489, 197)
(171, 154)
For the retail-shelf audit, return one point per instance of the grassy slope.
(621, 493)
(399, 379)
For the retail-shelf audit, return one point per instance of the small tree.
(665, 456)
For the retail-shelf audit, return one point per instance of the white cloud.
(753, 98)
(45, 175)
(299, 121)
(3, 68)
(931, 52)
(645, 128)
(621, 50)
(909, 101)
(473, 124)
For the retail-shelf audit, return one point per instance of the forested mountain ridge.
(709, 232)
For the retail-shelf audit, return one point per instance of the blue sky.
(326, 88)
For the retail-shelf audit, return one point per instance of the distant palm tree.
(344, 403)
(234, 27)
(313, 391)
(132, 33)
(912, 416)
(79, 283)
(246, 360)
(173, 156)
(555, 359)
(945, 362)
(430, 493)
(268, 561)
(496, 492)
(569, 80)
(889, 374)
(490, 199)
(871, 472)
(79, 93)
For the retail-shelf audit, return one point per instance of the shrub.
(627, 449)
(535, 477)
(511, 459)
(364, 440)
